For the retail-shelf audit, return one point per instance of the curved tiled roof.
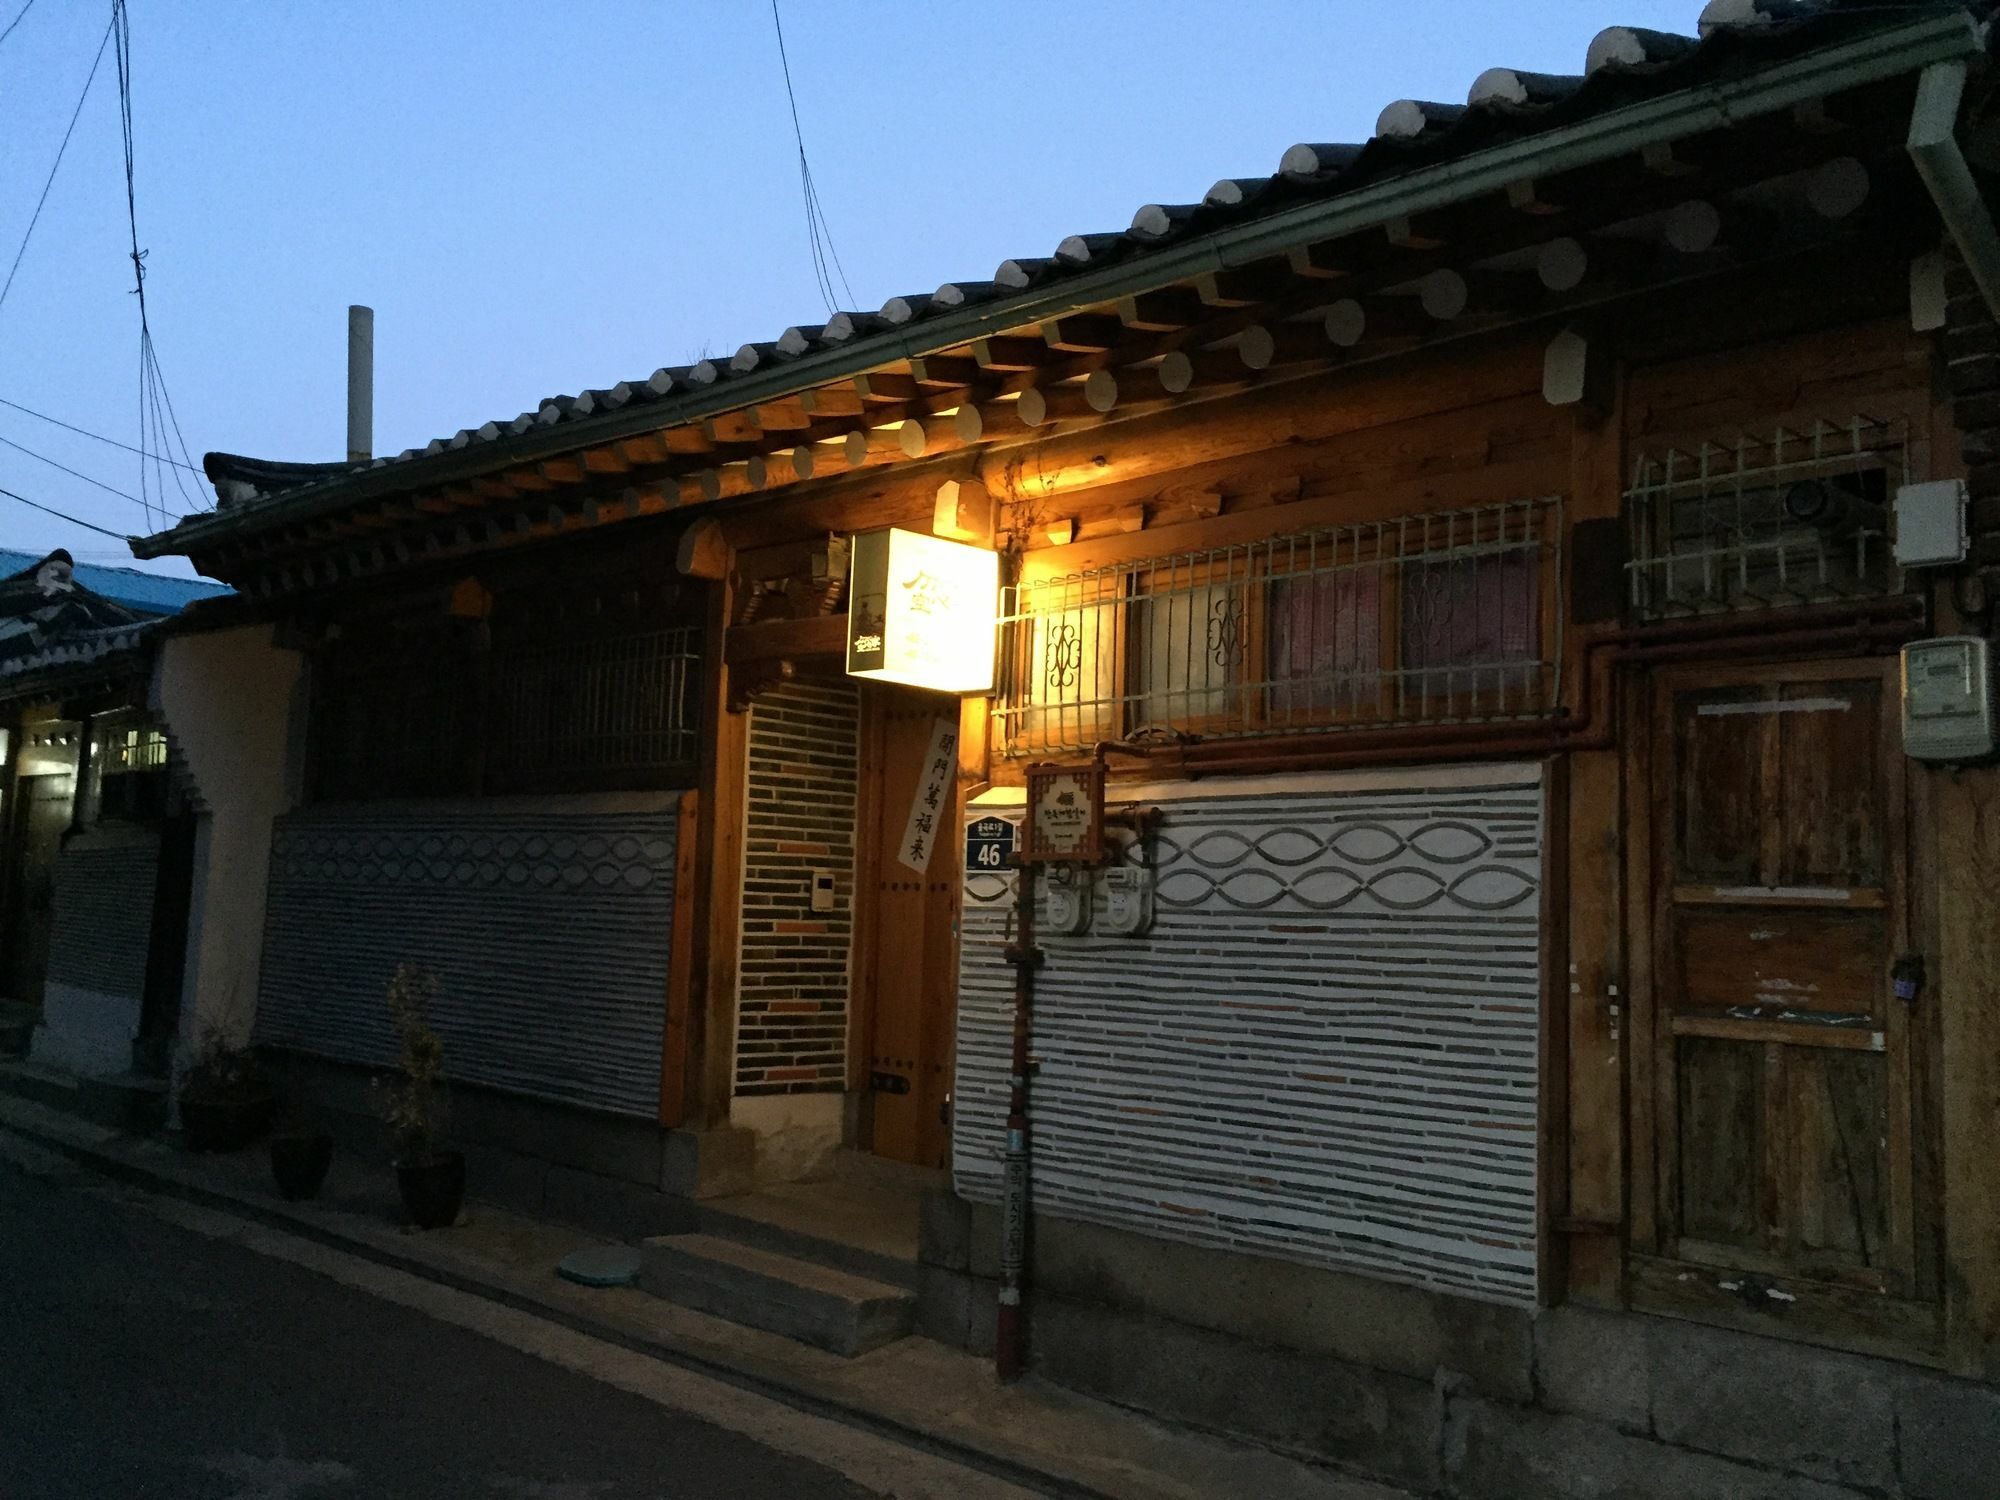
(1621, 65)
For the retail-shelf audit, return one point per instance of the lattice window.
(1794, 516)
(1446, 617)
(607, 711)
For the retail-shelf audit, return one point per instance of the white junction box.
(1128, 900)
(1931, 524)
(1948, 698)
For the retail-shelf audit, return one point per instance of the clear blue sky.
(540, 198)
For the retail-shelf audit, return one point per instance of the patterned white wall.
(1324, 1050)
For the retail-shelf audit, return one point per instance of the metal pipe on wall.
(360, 384)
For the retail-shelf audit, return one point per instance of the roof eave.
(1869, 58)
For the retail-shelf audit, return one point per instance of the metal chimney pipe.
(360, 384)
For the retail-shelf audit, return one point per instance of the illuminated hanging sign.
(921, 611)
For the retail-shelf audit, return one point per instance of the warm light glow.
(921, 612)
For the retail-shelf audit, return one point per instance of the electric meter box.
(1931, 524)
(1063, 901)
(1948, 698)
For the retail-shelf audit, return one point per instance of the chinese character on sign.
(930, 795)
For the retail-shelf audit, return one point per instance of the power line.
(74, 474)
(98, 436)
(36, 219)
(19, 16)
(62, 515)
(819, 235)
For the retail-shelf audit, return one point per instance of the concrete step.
(40, 1084)
(815, 1304)
(130, 1102)
(17, 1029)
(789, 1222)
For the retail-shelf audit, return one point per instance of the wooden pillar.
(1966, 992)
(719, 883)
(1596, 1013)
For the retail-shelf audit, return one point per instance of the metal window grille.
(1797, 516)
(594, 708)
(1445, 617)
(131, 745)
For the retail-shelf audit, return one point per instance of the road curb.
(800, 1395)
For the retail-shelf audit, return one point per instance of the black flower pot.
(224, 1124)
(434, 1190)
(299, 1164)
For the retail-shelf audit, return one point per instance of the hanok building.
(95, 837)
(1551, 1041)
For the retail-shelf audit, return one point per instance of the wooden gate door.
(906, 984)
(1781, 1061)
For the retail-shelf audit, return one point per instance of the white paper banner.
(930, 808)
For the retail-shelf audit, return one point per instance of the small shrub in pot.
(226, 1099)
(411, 1103)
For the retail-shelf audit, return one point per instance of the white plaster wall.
(232, 702)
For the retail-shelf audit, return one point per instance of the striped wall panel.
(101, 921)
(791, 1012)
(547, 928)
(1324, 1050)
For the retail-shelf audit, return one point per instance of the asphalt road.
(141, 1359)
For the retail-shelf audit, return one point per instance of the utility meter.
(1948, 698)
(1128, 899)
(1063, 908)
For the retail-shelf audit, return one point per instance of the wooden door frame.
(1908, 1325)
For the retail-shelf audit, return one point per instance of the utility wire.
(155, 405)
(19, 16)
(63, 515)
(819, 236)
(98, 436)
(37, 216)
(73, 473)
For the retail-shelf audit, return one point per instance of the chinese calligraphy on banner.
(930, 807)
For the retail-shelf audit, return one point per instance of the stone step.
(832, 1310)
(130, 1102)
(762, 1222)
(41, 1084)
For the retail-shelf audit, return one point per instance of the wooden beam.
(1351, 321)
(1166, 311)
(1249, 286)
(704, 552)
(1002, 352)
(1083, 333)
(1568, 264)
(943, 372)
(880, 386)
(688, 439)
(1038, 405)
(831, 401)
(1264, 345)
(964, 511)
(786, 640)
(733, 427)
(867, 445)
(1181, 370)
(1322, 262)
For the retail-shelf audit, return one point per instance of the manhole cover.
(601, 1265)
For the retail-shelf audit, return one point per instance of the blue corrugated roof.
(148, 592)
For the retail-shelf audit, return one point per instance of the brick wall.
(791, 1027)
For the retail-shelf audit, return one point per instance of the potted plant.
(226, 1098)
(300, 1154)
(411, 1104)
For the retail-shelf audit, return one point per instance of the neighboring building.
(93, 834)
(1489, 547)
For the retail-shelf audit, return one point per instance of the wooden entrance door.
(41, 813)
(1781, 1062)
(906, 986)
